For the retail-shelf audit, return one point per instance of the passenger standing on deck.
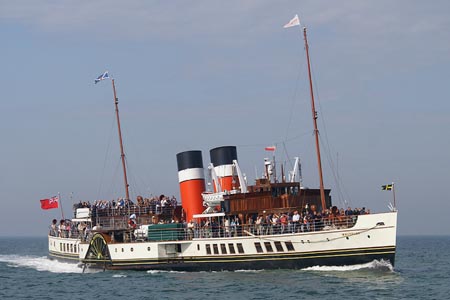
(259, 225)
(296, 220)
(190, 229)
(283, 222)
(81, 230)
(275, 223)
(61, 229)
(227, 227)
(53, 228)
(69, 229)
(132, 222)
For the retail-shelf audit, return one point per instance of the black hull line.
(254, 262)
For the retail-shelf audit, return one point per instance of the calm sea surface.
(422, 271)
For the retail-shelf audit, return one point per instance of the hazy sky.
(194, 75)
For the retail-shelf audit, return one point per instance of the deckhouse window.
(216, 249)
(258, 247)
(268, 247)
(289, 246)
(223, 248)
(279, 247)
(240, 248)
(231, 247)
(208, 248)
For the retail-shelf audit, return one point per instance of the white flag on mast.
(294, 22)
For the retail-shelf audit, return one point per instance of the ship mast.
(122, 154)
(316, 131)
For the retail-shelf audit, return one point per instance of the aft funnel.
(222, 159)
(192, 182)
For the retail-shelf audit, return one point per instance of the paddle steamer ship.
(274, 223)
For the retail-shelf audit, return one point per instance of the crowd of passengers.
(66, 229)
(306, 220)
(155, 205)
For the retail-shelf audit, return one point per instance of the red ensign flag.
(49, 203)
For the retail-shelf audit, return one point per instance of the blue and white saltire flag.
(101, 77)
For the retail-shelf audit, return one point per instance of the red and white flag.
(294, 22)
(270, 148)
(50, 203)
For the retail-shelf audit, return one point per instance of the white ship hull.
(372, 237)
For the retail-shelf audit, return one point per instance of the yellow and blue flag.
(387, 187)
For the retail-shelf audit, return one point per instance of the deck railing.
(215, 231)
(208, 231)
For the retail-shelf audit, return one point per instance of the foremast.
(122, 153)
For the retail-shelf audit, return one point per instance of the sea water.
(422, 271)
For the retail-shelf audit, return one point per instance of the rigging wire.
(294, 138)
(291, 114)
(108, 147)
(136, 183)
(327, 146)
(113, 186)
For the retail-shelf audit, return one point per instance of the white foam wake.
(163, 271)
(248, 271)
(42, 263)
(381, 265)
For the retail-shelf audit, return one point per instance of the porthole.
(148, 248)
(132, 249)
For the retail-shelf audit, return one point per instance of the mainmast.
(122, 154)
(316, 131)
